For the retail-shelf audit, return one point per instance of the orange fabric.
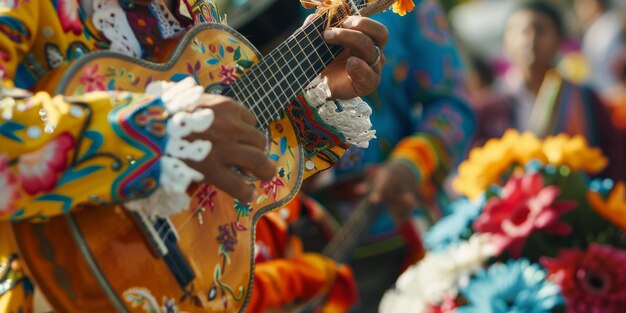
(420, 153)
(285, 275)
(284, 281)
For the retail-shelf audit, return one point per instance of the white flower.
(438, 275)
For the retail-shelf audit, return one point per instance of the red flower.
(525, 205)
(39, 169)
(206, 196)
(92, 80)
(271, 188)
(227, 74)
(68, 13)
(449, 305)
(8, 186)
(592, 280)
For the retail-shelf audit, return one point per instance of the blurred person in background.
(545, 102)
(602, 42)
(424, 126)
(493, 108)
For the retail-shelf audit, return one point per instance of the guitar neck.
(344, 241)
(281, 75)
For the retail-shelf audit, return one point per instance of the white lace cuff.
(171, 196)
(350, 117)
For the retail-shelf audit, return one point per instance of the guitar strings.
(195, 211)
(259, 101)
(253, 106)
(289, 42)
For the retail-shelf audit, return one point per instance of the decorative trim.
(77, 66)
(115, 301)
(259, 213)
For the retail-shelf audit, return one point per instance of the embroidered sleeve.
(60, 153)
(328, 128)
(443, 121)
(18, 25)
(350, 117)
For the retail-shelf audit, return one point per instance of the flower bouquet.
(532, 233)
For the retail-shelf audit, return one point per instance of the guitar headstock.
(371, 7)
(338, 10)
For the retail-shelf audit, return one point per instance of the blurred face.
(531, 40)
(586, 11)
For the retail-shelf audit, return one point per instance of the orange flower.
(614, 208)
(401, 7)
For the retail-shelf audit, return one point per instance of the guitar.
(107, 259)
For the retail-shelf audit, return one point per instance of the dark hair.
(546, 9)
(482, 69)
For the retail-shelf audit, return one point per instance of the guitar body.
(102, 259)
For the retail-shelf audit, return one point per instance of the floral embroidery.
(142, 297)
(8, 186)
(227, 74)
(14, 29)
(227, 239)
(92, 79)
(206, 197)
(433, 23)
(169, 306)
(68, 15)
(316, 136)
(271, 188)
(39, 170)
(242, 209)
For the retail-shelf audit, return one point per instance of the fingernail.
(348, 23)
(352, 63)
(329, 34)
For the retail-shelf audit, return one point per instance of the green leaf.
(245, 63)
(237, 54)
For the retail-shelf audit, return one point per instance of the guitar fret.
(289, 67)
(313, 40)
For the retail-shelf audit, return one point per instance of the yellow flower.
(484, 166)
(574, 153)
(487, 164)
(526, 147)
(401, 7)
(612, 209)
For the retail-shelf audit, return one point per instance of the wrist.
(176, 176)
(411, 170)
(350, 117)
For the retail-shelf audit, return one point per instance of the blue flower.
(602, 186)
(534, 166)
(514, 287)
(451, 228)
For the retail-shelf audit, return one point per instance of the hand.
(395, 185)
(350, 75)
(236, 142)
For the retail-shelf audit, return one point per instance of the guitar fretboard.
(281, 75)
(347, 238)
